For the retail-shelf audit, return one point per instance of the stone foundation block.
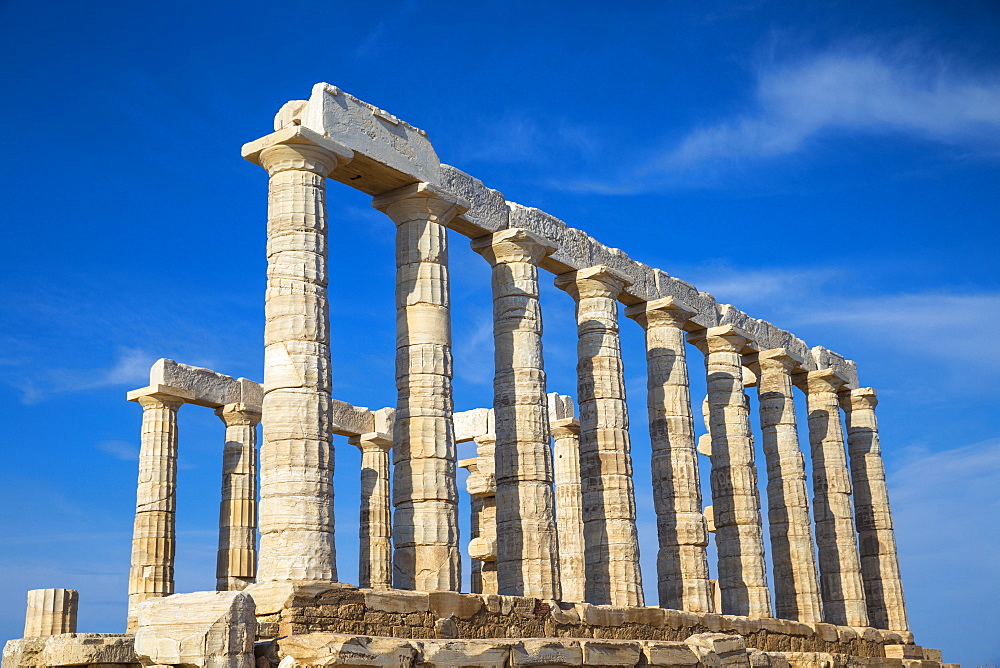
(71, 649)
(210, 629)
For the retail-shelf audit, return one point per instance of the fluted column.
(154, 534)
(527, 547)
(237, 561)
(876, 537)
(296, 455)
(793, 555)
(51, 612)
(836, 538)
(482, 488)
(375, 530)
(612, 546)
(682, 560)
(735, 496)
(425, 496)
(569, 508)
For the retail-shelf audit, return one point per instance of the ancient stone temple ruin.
(556, 578)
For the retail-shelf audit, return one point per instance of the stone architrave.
(375, 531)
(612, 546)
(51, 612)
(527, 542)
(425, 496)
(154, 533)
(735, 496)
(682, 560)
(793, 554)
(569, 508)
(482, 488)
(296, 454)
(836, 538)
(237, 560)
(876, 537)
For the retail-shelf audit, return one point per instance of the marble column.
(154, 533)
(569, 508)
(876, 538)
(612, 546)
(237, 562)
(793, 555)
(375, 531)
(682, 559)
(735, 496)
(51, 612)
(482, 488)
(527, 548)
(425, 522)
(296, 454)
(836, 538)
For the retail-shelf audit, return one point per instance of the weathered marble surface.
(682, 560)
(51, 612)
(211, 629)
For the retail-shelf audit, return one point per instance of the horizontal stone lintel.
(390, 153)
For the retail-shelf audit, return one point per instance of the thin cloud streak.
(862, 92)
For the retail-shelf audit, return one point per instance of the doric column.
(51, 612)
(527, 549)
(836, 538)
(237, 563)
(375, 532)
(682, 560)
(296, 455)
(569, 508)
(876, 538)
(793, 555)
(482, 488)
(735, 497)
(154, 533)
(425, 496)
(612, 546)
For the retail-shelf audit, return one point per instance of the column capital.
(722, 339)
(297, 148)
(565, 428)
(668, 311)
(239, 413)
(820, 381)
(773, 359)
(597, 281)
(859, 399)
(420, 201)
(155, 396)
(372, 441)
(512, 245)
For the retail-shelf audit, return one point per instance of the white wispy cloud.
(853, 91)
(123, 450)
(130, 367)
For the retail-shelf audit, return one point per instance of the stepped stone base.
(331, 624)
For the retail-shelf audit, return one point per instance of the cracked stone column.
(425, 522)
(527, 548)
(876, 538)
(682, 559)
(735, 496)
(612, 546)
(836, 538)
(296, 455)
(482, 488)
(154, 533)
(796, 585)
(51, 612)
(237, 561)
(375, 531)
(569, 508)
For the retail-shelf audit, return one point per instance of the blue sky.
(831, 167)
